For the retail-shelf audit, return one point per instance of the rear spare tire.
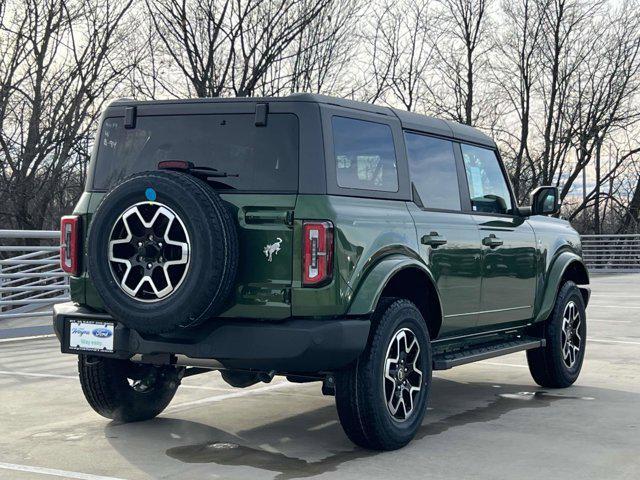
(162, 252)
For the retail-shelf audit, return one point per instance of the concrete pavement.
(485, 420)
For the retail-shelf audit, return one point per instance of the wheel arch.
(567, 266)
(402, 277)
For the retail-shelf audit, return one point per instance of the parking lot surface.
(485, 420)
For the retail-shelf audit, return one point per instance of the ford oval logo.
(102, 333)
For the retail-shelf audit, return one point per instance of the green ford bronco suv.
(311, 237)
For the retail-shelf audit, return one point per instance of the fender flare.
(553, 281)
(370, 288)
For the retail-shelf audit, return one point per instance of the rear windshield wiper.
(212, 172)
(181, 165)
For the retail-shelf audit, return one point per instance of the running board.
(444, 361)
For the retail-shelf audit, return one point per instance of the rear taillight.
(317, 253)
(69, 231)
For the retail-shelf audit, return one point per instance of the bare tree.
(57, 71)
(263, 32)
(556, 81)
(590, 94)
(462, 56)
(516, 72)
(631, 218)
(155, 75)
(323, 52)
(401, 51)
(380, 56)
(228, 47)
(561, 54)
(569, 71)
(198, 37)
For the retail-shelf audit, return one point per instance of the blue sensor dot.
(150, 193)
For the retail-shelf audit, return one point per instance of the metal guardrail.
(611, 253)
(31, 279)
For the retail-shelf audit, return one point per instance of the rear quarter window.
(257, 158)
(364, 154)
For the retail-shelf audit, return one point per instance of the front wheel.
(125, 391)
(382, 398)
(558, 364)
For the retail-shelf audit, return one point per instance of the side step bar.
(444, 361)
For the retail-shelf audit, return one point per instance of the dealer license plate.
(91, 336)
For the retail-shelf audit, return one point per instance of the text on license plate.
(93, 336)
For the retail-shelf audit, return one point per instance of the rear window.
(365, 155)
(263, 158)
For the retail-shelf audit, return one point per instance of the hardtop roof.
(409, 120)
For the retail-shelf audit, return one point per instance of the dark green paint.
(508, 271)
(366, 231)
(374, 240)
(261, 286)
(455, 266)
(479, 287)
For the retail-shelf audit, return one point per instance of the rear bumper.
(291, 346)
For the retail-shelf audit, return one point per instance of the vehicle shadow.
(312, 443)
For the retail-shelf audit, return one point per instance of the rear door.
(508, 242)
(254, 168)
(448, 235)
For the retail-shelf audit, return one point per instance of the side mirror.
(545, 201)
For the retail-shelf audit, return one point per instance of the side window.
(487, 185)
(365, 155)
(432, 166)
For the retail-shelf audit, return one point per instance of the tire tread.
(545, 363)
(358, 408)
(105, 388)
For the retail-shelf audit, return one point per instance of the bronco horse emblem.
(272, 249)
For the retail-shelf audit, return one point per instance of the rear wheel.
(382, 398)
(125, 391)
(558, 364)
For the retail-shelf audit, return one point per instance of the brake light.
(317, 253)
(69, 230)
(174, 165)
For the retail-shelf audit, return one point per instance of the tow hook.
(266, 377)
(329, 386)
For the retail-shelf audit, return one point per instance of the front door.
(508, 242)
(448, 237)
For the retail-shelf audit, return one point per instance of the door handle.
(492, 241)
(433, 240)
